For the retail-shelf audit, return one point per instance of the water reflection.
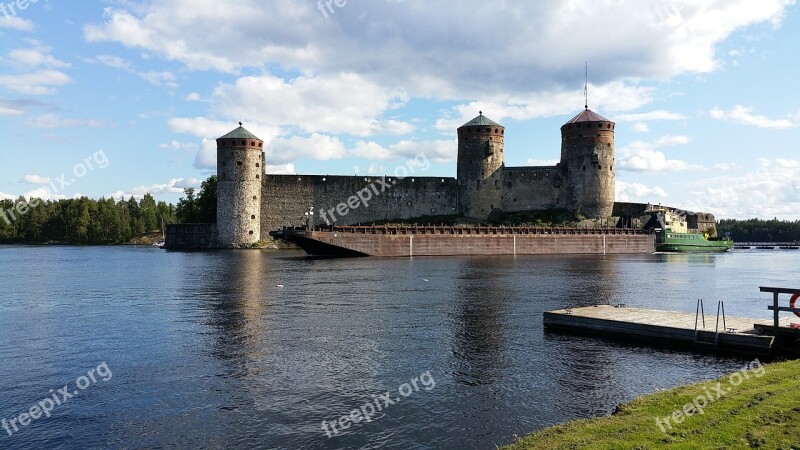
(235, 299)
(480, 322)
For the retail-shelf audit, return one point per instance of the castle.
(251, 203)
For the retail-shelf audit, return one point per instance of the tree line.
(758, 230)
(104, 221)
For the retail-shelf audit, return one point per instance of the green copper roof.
(240, 133)
(481, 120)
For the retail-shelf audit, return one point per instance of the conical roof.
(587, 115)
(481, 120)
(240, 133)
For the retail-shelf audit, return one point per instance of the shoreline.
(756, 406)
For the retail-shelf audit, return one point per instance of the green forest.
(108, 221)
(758, 230)
(104, 221)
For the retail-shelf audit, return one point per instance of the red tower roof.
(587, 115)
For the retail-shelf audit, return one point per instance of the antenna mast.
(586, 87)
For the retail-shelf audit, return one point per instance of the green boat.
(673, 235)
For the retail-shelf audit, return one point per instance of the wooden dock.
(742, 335)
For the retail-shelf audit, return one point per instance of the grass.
(761, 412)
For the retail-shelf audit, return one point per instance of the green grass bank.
(759, 408)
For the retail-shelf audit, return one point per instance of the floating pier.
(718, 333)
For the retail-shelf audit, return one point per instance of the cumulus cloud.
(772, 189)
(744, 115)
(438, 151)
(613, 96)
(341, 103)
(4, 196)
(173, 186)
(36, 179)
(637, 192)
(16, 23)
(35, 56)
(316, 146)
(41, 82)
(641, 156)
(281, 169)
(393, 41)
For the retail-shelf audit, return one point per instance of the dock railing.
(775, 307)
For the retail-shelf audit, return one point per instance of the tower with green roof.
(240, 169)
(480, 167)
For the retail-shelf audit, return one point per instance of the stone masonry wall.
(287, 197)
(533, 188)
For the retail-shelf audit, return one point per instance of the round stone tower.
(587, 163)
(480, 164)
(240, 167)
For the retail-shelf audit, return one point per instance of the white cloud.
(743, 115)
(772, 189)
(16, 23)
(156, 78)
(637, 192)
(177, 145)
(54, 121)
(641, 156)
(613, 96)
(193, 97)
(725, 166)
(44, 194)
(12, 108)
(376, 169)
(317, 146)
(541, 162)
(342, 103)
(393, 40)
(36, 179)
(281, 169)
(650, 116)
(206, 158)
(114, 62)
(42, 82)
(164, 78)
(439, 151)
(641, 127)
(35, 56)
(173, 186)
(4, 196)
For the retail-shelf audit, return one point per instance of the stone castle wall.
(288, 197)
(533, 188)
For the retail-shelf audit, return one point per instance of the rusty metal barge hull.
(455, 241)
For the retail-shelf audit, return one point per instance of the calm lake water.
(249, 349)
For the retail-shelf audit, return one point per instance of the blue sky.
(704, 93)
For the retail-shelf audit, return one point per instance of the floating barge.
(408, 241)
(730, 334)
